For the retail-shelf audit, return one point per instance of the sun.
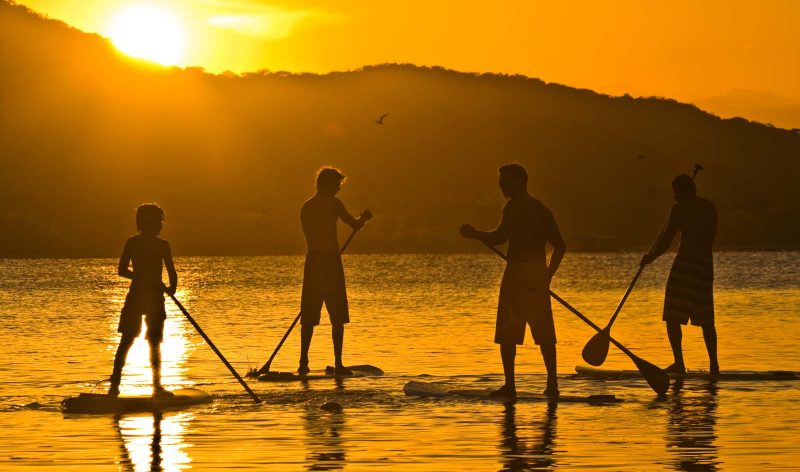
(149, 33)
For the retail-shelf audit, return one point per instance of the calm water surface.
(418, 317)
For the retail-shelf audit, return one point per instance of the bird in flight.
(379, 121)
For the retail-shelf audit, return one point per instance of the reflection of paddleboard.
(425, 389)
(101, 403)
(585, 371)
(358, 371)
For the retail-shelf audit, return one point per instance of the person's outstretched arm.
(171, 272)
(494, 237)
(664, 238)
(559, 246)
(123, 268)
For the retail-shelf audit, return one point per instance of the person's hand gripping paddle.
(596, 350)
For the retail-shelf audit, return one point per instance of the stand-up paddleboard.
(426, 389)
(358, 371)
(593, 372)
(101, 403)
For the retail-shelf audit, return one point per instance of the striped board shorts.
(690, 291)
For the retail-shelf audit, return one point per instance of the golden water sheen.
(418, 317)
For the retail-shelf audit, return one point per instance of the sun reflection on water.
(137, 376)
(153, 442)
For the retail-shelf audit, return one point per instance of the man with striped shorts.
(690, 288)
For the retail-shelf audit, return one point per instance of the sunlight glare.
(137, 377)
(148, 33)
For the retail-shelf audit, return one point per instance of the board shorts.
(690, 292)
(323, 282)
(147, 303)
(524, 301)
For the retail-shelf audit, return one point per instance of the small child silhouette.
(146, 254)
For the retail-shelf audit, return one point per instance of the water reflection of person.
(690, 429)
(128, 460)
(523, 454)
(326, 449)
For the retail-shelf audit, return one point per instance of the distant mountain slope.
(86, 135)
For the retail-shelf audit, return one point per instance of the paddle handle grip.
(214, 348)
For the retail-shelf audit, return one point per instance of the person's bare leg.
(675, 335)
(125, 344)
(710, 337)
(306, 333)
(155, 364)
(337, 334)
(549, 357)
(508, 354)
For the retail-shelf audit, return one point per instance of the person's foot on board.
(552, 389)
(113, 391)
(506, 391)
(160, 392)
(676, 369)
(714, 369)
(303, 369)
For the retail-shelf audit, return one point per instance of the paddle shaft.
(214, 348)
(349, 238)
(654, 375)
(625, 297)
(570, 307)
(265, 368)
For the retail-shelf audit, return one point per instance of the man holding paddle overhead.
(323, 274)
(527, 225)
(690, 287)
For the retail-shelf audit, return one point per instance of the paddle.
(697, 169)
(265, 368)
(654, 375)
(210, 343)
(596, 350)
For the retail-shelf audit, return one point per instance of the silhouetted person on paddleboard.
(690, 287)
(148, 254)
(527, 225)
(323, 275)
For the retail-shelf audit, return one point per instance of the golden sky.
(733, 57)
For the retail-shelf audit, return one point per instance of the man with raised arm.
(527, 225)
(323, 275)
(690, 288)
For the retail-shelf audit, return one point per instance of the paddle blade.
(655, 376)
(596, 350)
